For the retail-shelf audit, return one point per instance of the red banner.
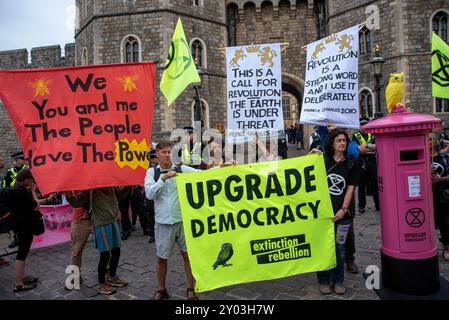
(83, 127)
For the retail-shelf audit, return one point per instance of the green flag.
(180, 69)
(440, 67)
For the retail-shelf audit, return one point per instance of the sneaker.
(13, 244)
(105, 288)
(446, 253)
(125, 235)
(361, 210)
(150, 239)
(352, 267)
(325, 289)
(340, 289)
(117, 282)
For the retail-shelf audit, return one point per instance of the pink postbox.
(408, 249)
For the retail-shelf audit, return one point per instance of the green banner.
(180, 69)
(257, 222)
(440, 67)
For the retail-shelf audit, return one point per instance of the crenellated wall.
(41, 57)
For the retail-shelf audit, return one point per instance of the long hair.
(329, 148)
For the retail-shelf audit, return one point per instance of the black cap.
(188, 129)
(18, 155)
(363, 121)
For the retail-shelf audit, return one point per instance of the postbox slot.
(410, 155)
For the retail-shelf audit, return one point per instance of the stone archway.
(292, 92)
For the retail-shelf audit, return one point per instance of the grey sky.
(35, 23)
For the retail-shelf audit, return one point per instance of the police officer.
(2, 166)
(10, 181)
(367, 165)
(190, 152)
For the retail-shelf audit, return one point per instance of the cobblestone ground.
(138, 267)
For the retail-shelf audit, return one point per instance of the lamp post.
(377, 63)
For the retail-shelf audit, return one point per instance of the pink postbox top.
(402, 122)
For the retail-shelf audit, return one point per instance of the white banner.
(254, 91)
(331, 86)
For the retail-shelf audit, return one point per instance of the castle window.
(286, 107)
(84, 57)
(366, 104)
(131, 49)
(198, 48)
(198, 3)
(365, 40)
(441, 105)
(233, 20)
(439, 26)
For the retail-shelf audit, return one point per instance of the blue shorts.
(107, 237)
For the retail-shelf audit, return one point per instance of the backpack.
(157, 172)
(6, 221)
(353, 150)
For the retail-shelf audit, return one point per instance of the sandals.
(163, 295)
(30, 279)
(24, 287)
(194, 297)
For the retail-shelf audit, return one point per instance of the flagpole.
(197, 114)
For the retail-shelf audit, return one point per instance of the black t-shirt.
(440, 166)
(339, 177)
(22, 204)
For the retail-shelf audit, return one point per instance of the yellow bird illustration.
(395, 90)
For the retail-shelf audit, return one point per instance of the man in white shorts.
(160, 186)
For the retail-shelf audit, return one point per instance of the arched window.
(84, 57)
(205, 124)
(198, 48)
(131, 49)
(233, 20)
(365, 40)
(366, 104)
(439, 26)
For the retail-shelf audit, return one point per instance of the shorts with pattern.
(166, 235)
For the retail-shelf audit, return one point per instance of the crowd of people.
(105, 212)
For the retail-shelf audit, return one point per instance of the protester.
(80, 229)
(104, 206)
(160, 186)
(440, 189)
(23, 203)
(342, 179)
(266, 149)
(136, 201)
